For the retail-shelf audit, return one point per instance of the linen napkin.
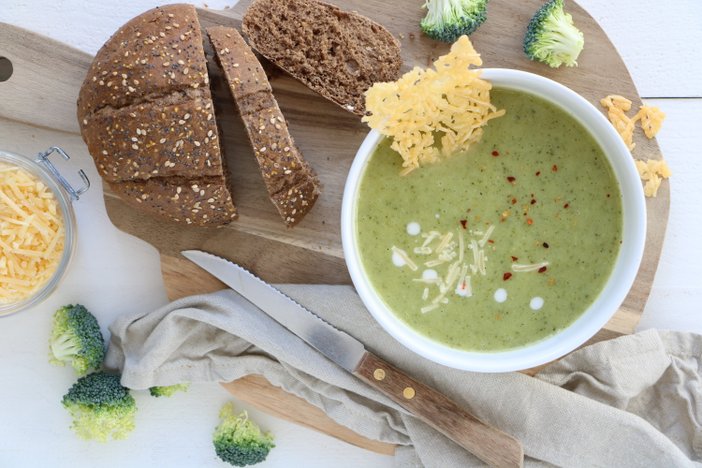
(632, 401)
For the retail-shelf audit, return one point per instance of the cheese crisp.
(31, 234)
(450, 101)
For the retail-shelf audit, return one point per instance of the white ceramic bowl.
(604, 306)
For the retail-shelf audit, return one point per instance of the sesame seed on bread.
(292, 184)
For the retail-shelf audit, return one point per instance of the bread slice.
(146, 113)
(292, 184)
(337, 53)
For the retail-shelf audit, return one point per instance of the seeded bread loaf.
(146, 114)
(336, 53)
(292, 184)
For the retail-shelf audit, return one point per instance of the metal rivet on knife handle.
(408, 393)
(379, 374)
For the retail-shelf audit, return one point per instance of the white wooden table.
(659, 43)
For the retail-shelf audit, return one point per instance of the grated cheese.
(522, 268)
(447, 250)
(623, 124)
(651, 120)
(403, 255)
(652, 172)
(31, 234)
(450, 100)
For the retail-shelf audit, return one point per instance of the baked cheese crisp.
(450, 100)
(31, 234)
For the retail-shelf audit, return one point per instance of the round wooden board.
(328, 136)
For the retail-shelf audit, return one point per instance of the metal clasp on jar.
(43, 159)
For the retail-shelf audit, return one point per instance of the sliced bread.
(292, 184)
(337, 53)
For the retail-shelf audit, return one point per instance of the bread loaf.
(337, 53)
(292, 185)
(146, 114)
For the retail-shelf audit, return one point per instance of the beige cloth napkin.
(633, 401)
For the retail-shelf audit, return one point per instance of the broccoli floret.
(76, 338)
(552, 38)
(238, 440)
(447, 20)
(101, 407)
(168, 390)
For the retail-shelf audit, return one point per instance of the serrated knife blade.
(336, 345)
(488, 443)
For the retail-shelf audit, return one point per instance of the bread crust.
(200, 202)
(292, 184)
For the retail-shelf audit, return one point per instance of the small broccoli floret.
(168, 390)
(76, 338)
(447, 20)
(101, 407)
(238, 440)
(552, 38)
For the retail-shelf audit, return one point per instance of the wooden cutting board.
(48, 74)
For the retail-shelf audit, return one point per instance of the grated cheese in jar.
(31, 234)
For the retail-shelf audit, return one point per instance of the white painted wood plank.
(660, 42)
(676, 296)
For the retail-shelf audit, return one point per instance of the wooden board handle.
(491, 445)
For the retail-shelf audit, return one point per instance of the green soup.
(502, 245)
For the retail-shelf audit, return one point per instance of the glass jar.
(41, 168)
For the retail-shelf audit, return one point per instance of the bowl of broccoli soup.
(507, 255)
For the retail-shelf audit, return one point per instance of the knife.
(491, 445)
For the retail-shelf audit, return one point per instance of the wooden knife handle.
(491, 445)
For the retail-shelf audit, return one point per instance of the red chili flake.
(490, 241)
(464, 223)
(511, 179)
(554, 168)
(532, 201)
(538, 173)
(542, 269)
(545, 244)
(514, 259)
(566, 205)
(514, 201)
(530, 221)
(495, 153)
(506, 276)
